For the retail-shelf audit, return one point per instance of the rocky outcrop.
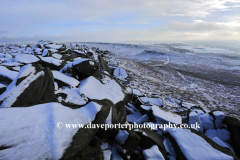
(74, 102)
(31, 86)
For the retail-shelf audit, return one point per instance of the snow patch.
(187, 142)
(94, 89)
(163, 116)
(35, 135)
(25, 58)
(153, 153)
(122, 136)
(66, 79)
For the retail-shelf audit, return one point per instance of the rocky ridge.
(45, 86)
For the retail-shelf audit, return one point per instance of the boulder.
(58, 47)
(46, 53)
(70, 97)
(42, 43)
(120, 73)
(152, 101)
(26, 59)
(142, 119)
(184, 142)
(79, 52)
(233, 125)
(37, 51)
(42, 130)
(136, 92)
(103, 65)
(67, 52)
(71, 57)
(128, 141)
(218, 118)
(104, 87)
(64, 80)
(164, 116)
(52, 63)
(150, 138)
(146, 109)
(206, 120)
(85, 66)
(153, 153)
(57, 56)
(70, 71)
(31, 86)
(194, 120)
(188, 105)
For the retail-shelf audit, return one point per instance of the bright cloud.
(125, 20)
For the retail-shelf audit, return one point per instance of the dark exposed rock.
(108, 134)
(46, 53)
(68, 51)
(34, 87)
(85, 67)
(150, 138)
(131, 143)
(71, 57)
(79, 53)
(103, 64)
(5, 79)
(92, 151)
(233, 125)
(84, 135)
(2, 88)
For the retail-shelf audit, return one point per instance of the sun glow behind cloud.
(125, 20)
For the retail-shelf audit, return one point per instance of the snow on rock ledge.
(65, 79)
(153, 153)
(164, 116)
(195, 147)
(108, 89)
(152, 101)
(25, 58)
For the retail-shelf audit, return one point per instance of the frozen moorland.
(208, 77)
(50, 92)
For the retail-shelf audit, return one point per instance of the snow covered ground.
(207, 76)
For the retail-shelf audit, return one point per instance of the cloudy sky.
(118, 20)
